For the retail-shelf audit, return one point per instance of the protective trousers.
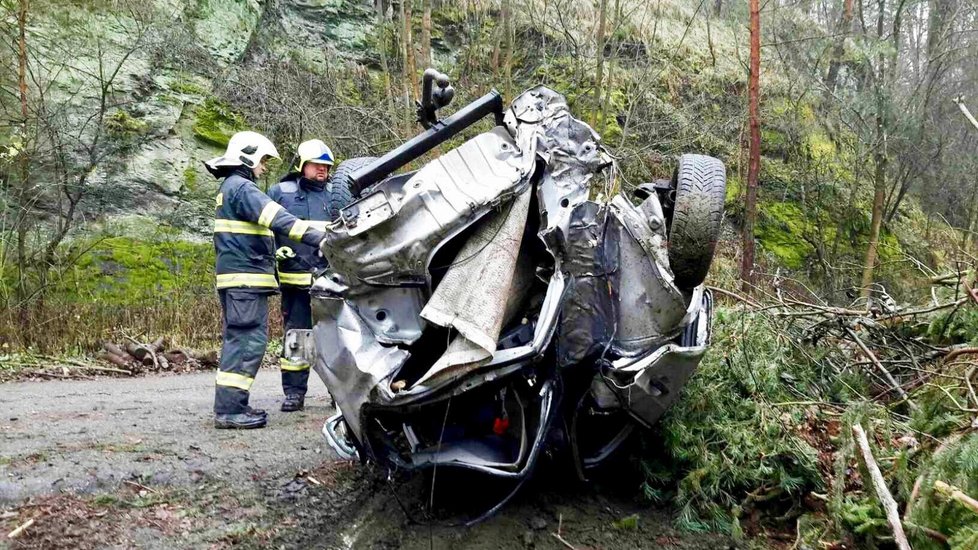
(296, 314)
(245, 337)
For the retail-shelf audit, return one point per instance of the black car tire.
(701, 186)
(341, 189)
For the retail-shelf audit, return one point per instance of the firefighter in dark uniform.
(303, 193)
(245, 223)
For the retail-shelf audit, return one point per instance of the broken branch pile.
(854, 418)
(123, 359)
(136, 357)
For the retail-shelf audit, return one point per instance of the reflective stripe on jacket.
(245, 223)
(307, 201)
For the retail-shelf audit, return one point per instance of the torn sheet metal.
(349, 359)
(542, 122)
(409, 219)
(473, 295)
(621, 298)
(585, 285)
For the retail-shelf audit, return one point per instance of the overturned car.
(494, 304)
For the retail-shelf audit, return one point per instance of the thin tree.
(410, 67)
(21, 194)
(382, 43)
(404, 47)
(754, 152)
(426, 33)
(599, 71)
(507, 13)
(974, 186)
(884, 78)
(842, 29)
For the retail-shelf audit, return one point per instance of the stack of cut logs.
(136, 356)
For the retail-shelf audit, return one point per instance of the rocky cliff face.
(165, 117)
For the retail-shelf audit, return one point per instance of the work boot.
(256, 412)
(294, 402)
(240, 421)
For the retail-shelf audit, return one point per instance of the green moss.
(123, 271)
(773, 142)
(215, 122)
(890, 249)
(190, 178)
(782, 230)
(735, 190)
(188, 87)
(820, 148)
(121, 124)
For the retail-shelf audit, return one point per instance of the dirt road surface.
(136, 462)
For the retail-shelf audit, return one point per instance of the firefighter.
(303, 193)
(245, 223)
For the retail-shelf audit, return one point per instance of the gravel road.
(91, 435)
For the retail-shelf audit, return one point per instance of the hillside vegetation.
(107, 207)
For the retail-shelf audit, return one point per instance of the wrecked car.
(498, 301)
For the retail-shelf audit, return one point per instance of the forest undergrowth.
(762, 440)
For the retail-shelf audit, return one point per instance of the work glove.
(284, 253)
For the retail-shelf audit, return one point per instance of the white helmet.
(244, 149)
(315, 151)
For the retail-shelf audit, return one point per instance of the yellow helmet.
(313, 150)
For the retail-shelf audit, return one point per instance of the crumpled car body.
(486, 306)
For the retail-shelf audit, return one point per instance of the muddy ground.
(136, 463)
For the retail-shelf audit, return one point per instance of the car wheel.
(341, 190)
(701, 186)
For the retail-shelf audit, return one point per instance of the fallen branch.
(912, 312)
(954, 276)
(882, 491)
(114, 350)
(17, 532)
(115, 360)
(959, 351)
(828, 309)
(932, 533)
(557, 535)
(734, 295)
(879, 366)
(140, 486)
(953, 493)
(102, 369)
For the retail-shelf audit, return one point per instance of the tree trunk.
(407, 53)
(599, 72)
(845, 25)
(879, 160)
(974, 186)
(754, 154)
(402, 50)
(498, 41)
(879, 194)
(22, 214)
(426, 34)
(610, 86)
(382, 45)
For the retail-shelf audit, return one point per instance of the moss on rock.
(782, 230)
(215, 122)
(125, 272)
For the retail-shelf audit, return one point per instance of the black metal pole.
(491, 103)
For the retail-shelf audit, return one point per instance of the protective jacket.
(246, 221)
(307, 200)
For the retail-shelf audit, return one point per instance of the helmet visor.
(324, 158)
